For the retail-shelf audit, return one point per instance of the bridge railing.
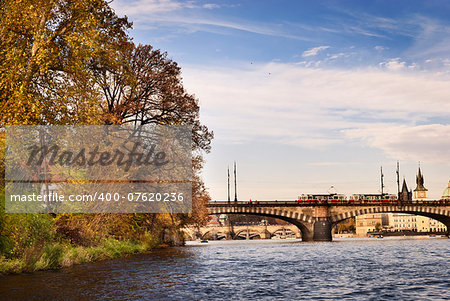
(330, 202)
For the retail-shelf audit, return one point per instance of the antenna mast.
(228, 194)
(235, 185)
(398, 180)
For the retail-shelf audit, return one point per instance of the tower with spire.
(405, 194)
(420, 192)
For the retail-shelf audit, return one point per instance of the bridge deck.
(324, 203)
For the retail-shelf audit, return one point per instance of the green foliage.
(58, 59)
(56, 255)
(116, 248)
(13, 266)
(52, 256)
(6, 244)
(20, 232)
(378, 227)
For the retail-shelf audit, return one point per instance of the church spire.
(404, 187)
(405, 194)
(420, 192)
(419, 182)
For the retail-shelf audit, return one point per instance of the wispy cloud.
(181, 21)
(211, 5)
(314, 51)
(192, 16)
(380, 48)
(139, 7)
(427, 37)
(316, 108)
(429, 143)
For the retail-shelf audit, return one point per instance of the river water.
(353, 269)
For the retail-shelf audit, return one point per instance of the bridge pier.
(307, 235)
(322, 225)
(322, 229)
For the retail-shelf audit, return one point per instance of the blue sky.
(309, 94)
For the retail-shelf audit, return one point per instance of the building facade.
(368, 223)
(396, 222)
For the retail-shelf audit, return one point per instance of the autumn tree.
(72, 62)
(46, 48)
(146, 89)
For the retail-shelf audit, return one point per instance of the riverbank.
(33, 242)
(56, 256)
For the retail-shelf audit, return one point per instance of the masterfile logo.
(98, 168)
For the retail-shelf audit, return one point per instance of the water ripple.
(401, 269)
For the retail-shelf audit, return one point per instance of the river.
(353, 269)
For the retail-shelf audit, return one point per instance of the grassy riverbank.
(31, 242)
(58, 255)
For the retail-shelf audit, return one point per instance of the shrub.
(53, 255)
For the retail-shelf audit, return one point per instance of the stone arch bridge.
(315, 221)
(244, 232)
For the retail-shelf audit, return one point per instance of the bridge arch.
(249, 232)
(220, 235)
(440, 214)
(303, 222)
(283, 230)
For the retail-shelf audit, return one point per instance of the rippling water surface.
(354, 269)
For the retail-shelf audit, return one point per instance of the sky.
(304, 95)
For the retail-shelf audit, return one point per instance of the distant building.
(417, 223)
(396, 222)
(422, 223)
(385, 220)
(368, 223)
(446, 193)
(420, 192)
(405, 194)
(401, 222)
(436, 226)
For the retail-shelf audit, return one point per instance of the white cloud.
(380, 48)
(315, 108)
(427, 143)
(140, 7)
(314, 51)
(394, 64)
(211, 5)
(336, 56)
